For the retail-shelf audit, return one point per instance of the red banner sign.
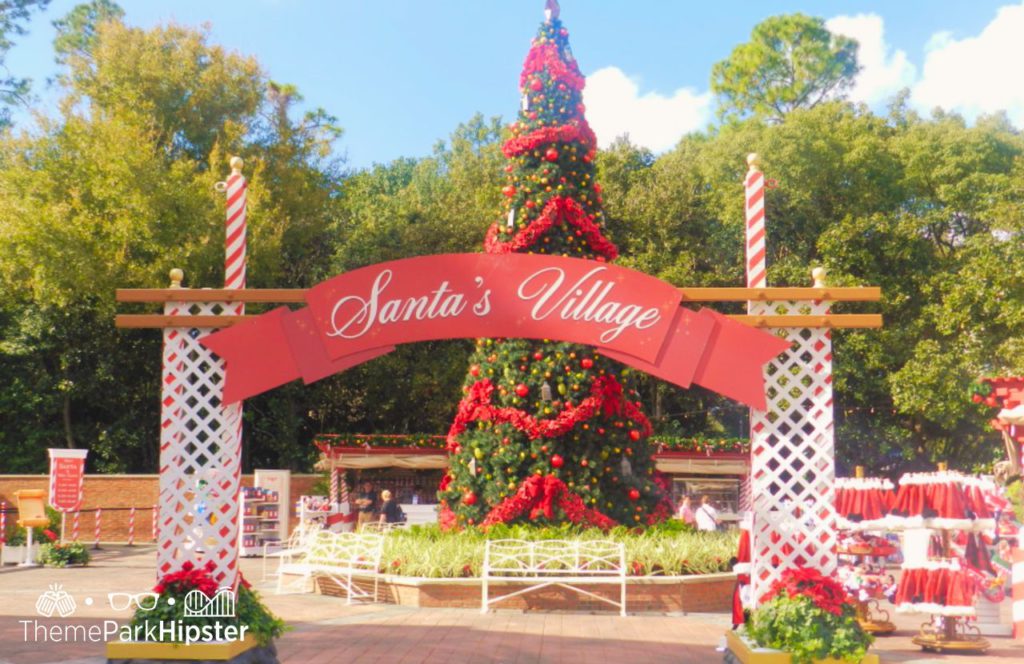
(67, 473)
(626, 315)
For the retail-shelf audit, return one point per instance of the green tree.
(76, 31)
(790, 62)
(14, 14)
(565, 418)
(115, 191)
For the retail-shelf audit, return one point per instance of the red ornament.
(538, 356)
(522, 390)
(474, 370)
(536, 84)
(634, 435)
(976, 398)
(584, 463)
(634, 494)
(551, 154)
(530, 204)
(586, 363)
(469, 498)
(557, 461)
(509, 190)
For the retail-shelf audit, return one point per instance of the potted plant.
(808, 616)
(57, 554)
(14, 549)
(166, 626)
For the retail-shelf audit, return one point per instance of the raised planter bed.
(747, 653)
(244, 651)
(653, 594)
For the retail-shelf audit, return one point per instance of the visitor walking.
(706, 515)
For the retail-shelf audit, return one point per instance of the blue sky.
(401, 74)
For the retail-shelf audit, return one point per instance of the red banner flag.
(627, 315)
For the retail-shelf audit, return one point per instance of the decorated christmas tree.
(550, 432)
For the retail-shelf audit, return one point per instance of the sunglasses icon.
(124, 601)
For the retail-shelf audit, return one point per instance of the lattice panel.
(793, 454)
(200, 454)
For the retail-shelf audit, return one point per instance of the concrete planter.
(245, 651)
(745, 652)
(15, 555)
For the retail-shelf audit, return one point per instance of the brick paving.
(326, 630)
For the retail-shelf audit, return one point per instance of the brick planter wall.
(704, 593)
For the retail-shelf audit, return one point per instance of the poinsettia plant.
(61, 554)
(810, 616)
(169, 609)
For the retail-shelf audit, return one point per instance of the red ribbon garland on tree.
(606, 395)
(539, 496)
(577, 131)
(557, 210)
(546, 56)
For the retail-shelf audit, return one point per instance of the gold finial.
(754, 161)
(942, 466)
(818, 274)
(236, 165)
(858, 472)
(176, 278)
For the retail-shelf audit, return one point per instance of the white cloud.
(883, 72)
(652, 120)
(979, 74)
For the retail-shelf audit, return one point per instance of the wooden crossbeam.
(835, 321)
(296, 295)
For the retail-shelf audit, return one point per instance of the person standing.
(390, 511)
(685, 513)
(706, 515)
(367, 504)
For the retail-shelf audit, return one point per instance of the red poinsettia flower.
(52, 536)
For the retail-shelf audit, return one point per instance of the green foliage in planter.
(249, 610)
(19, 537)
(668, 549)
(808, 616)
(55, 554)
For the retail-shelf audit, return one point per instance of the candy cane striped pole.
(335, 494)
(757, 276)
(74, 528)
(234, 249)
(1017, 579)
(3, 522)
(343, 492)
(96, 529)
(154, 522)
(131, 527)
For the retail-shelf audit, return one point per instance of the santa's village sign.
(626, 315)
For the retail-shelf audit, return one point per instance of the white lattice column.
(793, 453)
(200, 454)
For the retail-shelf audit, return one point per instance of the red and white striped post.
(757, 275)
(131, 527)
(3, 522)
(234, 278)
(74, 527)
(1017, 581)
(335, 494)
(154, 522)
(96, 528)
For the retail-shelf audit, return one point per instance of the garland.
(557, 210)
(546, 56)
(579, 130)
(325, 441)
(606, 395)
(539, 496)
(697, 444)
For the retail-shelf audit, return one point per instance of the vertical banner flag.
(67, 476)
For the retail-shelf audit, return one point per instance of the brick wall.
(110, 492)
(707, 593)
